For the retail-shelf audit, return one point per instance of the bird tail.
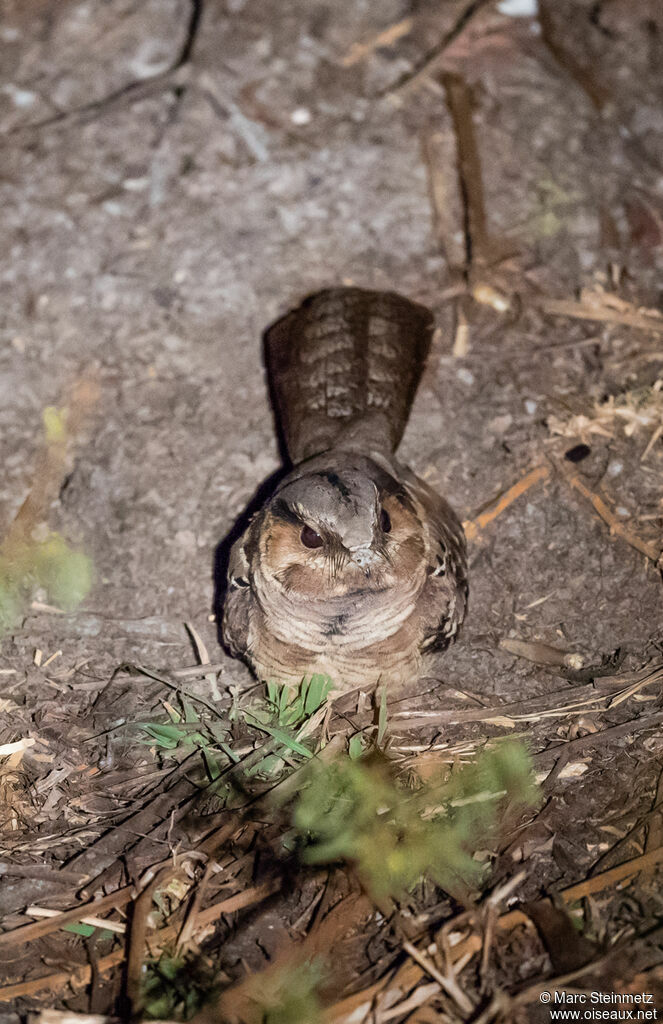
(344, 368)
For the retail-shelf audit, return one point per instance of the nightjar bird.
(354, 567)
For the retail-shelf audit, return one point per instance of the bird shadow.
(263, 492)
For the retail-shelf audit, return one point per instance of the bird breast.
(354, 621)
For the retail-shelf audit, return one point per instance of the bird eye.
(309, 538)
(385, 521)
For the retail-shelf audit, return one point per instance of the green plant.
(176, 987)
(354, 810)
(31, 555)
(288, 995)
(285, 717)
(288, 709)
(65, 575)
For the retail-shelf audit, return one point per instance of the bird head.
(332, 532)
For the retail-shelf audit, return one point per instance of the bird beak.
(364, 558)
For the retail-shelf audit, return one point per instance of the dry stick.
(387, 37)
(474, 526)
(191, 919)
(574, 700)
(595, 738)
(431, 60)
(136, 89)
(196, 670)
(448, 983)
(439, 151)
(583, 311)
(29, 932)
(412, 973)
(54, 982)
(113, 901)
(97, 922)
(138, 939)
(460, 104)
(44, 874)
(651, 550)
(423, 994)
(587, 887)
(82, 975)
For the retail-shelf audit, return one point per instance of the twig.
(421, 995)
(82, 975)
(97, 922)
(204, 658)
(589, 886)
(29, 932)
(410, 975)
(460, 104)
(583, 311)
(53, 982)
(474, 526)
(44, 874)
(447, 982)
(561, 981)
(540, 653)
(196, 670)
(564, 751)
(439, 153)
(649, 548)
(387, 37)
(132, 90)
(431, 60)
(138, 939)
(162, 677)
(191, 921)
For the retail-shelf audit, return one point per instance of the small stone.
(519, 8)
(19, 97)
(300, 116)
(135, 184)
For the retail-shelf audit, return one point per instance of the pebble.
(300, 116)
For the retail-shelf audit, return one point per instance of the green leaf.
(356, 746)
(318, 691)
(229, 752)
(168, 736)
(190, 713)
(283, 737)
(213, 767)
(78, 928)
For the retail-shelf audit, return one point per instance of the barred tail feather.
(344, 368)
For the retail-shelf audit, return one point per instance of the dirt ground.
(175, 175)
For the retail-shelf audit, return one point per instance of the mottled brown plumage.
(354, 567)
